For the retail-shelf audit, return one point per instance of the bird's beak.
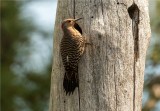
(78, 19)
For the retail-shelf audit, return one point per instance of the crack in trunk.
(115, 87)
(133, 11)
(79, 29)
(74, 5)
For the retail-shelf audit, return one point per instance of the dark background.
(26, 55)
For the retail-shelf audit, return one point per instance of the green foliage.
(153, 59)
(28, 92)
(155, 56)
(155, 21)
(155, 27)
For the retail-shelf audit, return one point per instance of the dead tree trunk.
(111, 70)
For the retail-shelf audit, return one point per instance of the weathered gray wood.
(111, 75)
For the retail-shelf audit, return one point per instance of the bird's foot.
(87, 43)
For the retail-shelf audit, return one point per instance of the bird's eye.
(69, 21)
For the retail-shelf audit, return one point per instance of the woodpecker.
(71, 48)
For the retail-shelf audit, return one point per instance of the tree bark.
(111, 70)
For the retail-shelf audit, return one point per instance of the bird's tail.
(70, 81)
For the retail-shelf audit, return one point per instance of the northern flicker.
(72, 48)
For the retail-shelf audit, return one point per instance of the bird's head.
(69, 22)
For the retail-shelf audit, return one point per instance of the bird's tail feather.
(70, 81)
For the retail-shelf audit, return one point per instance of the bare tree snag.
(111, 70)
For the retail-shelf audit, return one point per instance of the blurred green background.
(26, 55)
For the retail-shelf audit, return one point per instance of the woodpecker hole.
(77, 27)
(92, 17)
(133, 12)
